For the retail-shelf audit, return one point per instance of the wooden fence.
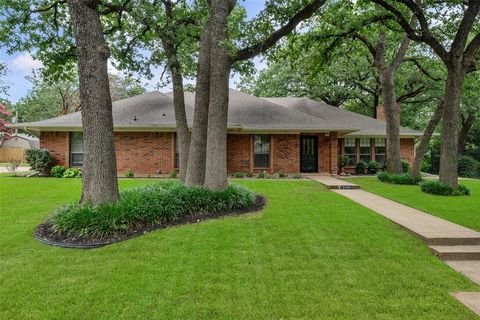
(7, 154)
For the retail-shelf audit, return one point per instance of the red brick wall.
(286, 153)
(58, 143)
(153, 152)
(407, 149)
(239, 153)
(145, 152)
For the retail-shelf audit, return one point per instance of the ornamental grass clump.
(148, 205)
(398, 178)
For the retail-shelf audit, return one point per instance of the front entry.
(309, 153)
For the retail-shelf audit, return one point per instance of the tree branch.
(252, 51)
(425, 35)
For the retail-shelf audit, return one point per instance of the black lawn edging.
(44, 234)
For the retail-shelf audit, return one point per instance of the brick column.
(333, 142)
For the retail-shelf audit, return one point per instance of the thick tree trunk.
(423, 145)
(99, 165)
(392, 117)
(195, 173)
(449, 136)
(216, 156)
(389, 100)
(183, 134)
(462, 136)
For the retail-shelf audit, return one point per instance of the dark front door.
(308, 153)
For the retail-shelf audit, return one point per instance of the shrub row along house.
(288, 135)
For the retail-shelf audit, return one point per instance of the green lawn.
(310, 254)
(461, 210)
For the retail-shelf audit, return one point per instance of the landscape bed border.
(45, 235)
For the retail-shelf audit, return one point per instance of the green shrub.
(57, 171)
(147, 205)
(250, 175)
(398, 178)
(373, 167)
(297, 176)
(343, 161)
(72, 173)
(173, 174)
(282, 175)
(262, 175)
(468, 167)
(129, 173)
(361, 167)
(439, 188)
(405, 166)
(238, 175)
(40, 160)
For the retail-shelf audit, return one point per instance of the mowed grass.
(310, 254)
(462, 210)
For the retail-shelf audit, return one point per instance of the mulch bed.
(46, 235)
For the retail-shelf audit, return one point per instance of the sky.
(21, 64)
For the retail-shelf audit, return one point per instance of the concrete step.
(453, 241)
(469, 268)
(457, 252)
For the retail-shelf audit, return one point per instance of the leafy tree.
(456, 41)
(122, 87)
(216, 58)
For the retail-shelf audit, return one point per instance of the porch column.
(333, 144)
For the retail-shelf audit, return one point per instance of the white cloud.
(25, 63)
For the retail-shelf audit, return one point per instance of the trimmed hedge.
(147, 205)
(439, 188)
(398, 178)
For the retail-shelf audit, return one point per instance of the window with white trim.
(351, 151)
(380, 150)
(365, 149)
(261, 151)
(76, 149)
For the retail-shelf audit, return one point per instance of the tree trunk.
(466, 126)
(389, 100)
(195, 173)
(392, 117)
(99, 165)
(449, 136)
(216, 156)
(427, 135)
(183, 134)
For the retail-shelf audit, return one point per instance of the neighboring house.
(287, 135)
(13, 147)
(19, 140)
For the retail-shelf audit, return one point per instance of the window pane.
(76, 149)
(380, 150)
(261, 151)
(351, 151)
(77, 159)
(76, 142)
(365, 150)
(350, 142)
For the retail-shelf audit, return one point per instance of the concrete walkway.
(458, 246)
(333, 183)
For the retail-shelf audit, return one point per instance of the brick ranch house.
(276, 135)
